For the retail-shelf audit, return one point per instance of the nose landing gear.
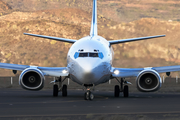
(88, 95)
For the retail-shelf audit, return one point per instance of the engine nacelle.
(148, 81)
(32, 79)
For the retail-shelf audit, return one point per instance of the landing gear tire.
(88, 95)
(91, 96)
(55, 90)
(116, 91)
(85, 96)
(64, 90)
(126, 91)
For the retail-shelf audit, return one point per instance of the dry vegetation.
(71, 19)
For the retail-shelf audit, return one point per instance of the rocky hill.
(74, 23)
(4, 8)
(117, 10)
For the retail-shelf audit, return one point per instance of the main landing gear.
(57, 88)
(88, 95)
(122, 88)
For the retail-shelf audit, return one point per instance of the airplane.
(89, 63)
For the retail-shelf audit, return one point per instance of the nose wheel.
(88, 95)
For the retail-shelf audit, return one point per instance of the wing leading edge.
(47, 71)
(13, 66)
(133, 72)
(54, 71)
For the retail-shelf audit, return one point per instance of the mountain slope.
(118, 10)
(4, 8)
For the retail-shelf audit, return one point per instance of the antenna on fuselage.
(93, 31)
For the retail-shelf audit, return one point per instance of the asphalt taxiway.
(17, 103)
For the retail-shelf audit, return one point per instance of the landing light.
(64, 71)
(116, 72)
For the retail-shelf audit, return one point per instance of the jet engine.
(32, 79)
(148, 81)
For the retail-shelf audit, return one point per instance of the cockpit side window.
(76, 55)
(101, 55)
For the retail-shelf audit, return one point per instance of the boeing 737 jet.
(89, 63)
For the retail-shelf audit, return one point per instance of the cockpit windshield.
(83, 54)
(93, 55)
(88, 54)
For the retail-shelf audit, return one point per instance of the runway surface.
(19, 103)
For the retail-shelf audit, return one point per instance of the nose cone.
(89, 70)
(88, 66)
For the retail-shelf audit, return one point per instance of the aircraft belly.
(103, 79)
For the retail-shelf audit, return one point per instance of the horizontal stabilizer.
(133, 39)
(52, 38)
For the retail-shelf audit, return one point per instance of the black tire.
(116, 91)
(64, 90)
(55, 90)
(91, 96)
(85, 96)
(126, 91)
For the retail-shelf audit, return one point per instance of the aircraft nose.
(88, 66)
(89, 71)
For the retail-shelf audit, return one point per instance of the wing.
(126, 72)
(54, 71)
(133, 39)
(167, 69)
(52, 38)
(48, 71)
(133, 72)
(13, 66)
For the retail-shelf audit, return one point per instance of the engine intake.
(148, 81)
(32, 79)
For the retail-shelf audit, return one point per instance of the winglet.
(93, 31)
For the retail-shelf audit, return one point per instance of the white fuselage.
(90, 60)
